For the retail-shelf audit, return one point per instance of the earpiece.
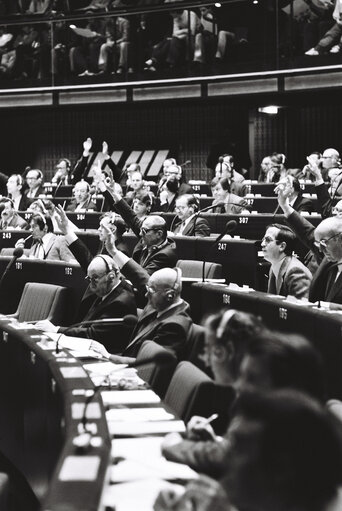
(224, 322)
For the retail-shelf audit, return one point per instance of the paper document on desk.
(132, 470)
(129, 397)
(137, 495)
(137, 448)
(138, 414)
(134, 428)
(79, 346)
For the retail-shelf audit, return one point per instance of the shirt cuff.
(70, 238)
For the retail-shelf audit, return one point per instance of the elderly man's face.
(150, 232)
(329, 241)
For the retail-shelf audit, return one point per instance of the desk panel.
(322, 328)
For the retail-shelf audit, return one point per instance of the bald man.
(326, 243)
(108, 296)
(165, 319)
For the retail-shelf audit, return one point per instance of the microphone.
(230, 227)
(58, 187)
(128, 321)
(207, 208)
(17, 252)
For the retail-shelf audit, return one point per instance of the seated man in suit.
(82, 200)
(224, 170)
(108, 296)
(165, 319)
(9, 217)
(46, 244)
(288, 276)
(325, 241)
(34, 180)
(189, 223)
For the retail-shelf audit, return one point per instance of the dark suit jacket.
(318, 288)
(56, 250)
(293, 279)
(197, 226)
(302, 204)
(117, 304)
(24, 202)
(40, 191)
(91, 206)
(324, 200)
(170, 329)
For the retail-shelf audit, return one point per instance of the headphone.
(39, 172)
(228, 314)
(68, 163)
(283, 158)
(176, 285)
(107, 260)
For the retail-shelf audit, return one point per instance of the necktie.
(331, 277)
(39, 250)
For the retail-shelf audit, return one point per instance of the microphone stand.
(231, 225)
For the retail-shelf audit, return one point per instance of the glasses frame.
(323, 243)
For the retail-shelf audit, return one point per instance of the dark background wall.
(38, 137)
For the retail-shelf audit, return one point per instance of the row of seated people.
(272, 380)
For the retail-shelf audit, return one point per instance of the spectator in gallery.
(331, 42)
(14, 190)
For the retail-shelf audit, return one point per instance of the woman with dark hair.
(229, 202)
(168, 195)
(142, 204)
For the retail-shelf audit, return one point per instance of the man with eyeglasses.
(325, 242)
(330, 160)
(34, 180)
(165, 319)
(288, 276)
(188, 223)
(108, 296)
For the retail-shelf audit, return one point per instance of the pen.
(28, 237)
(210, 419)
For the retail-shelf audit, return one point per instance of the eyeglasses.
(95, 279)
(180, 208)
(323, 243)
(268, 239)
(145, 230)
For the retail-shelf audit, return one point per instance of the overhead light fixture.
(217, 4)
(270, 109)
(255, 2)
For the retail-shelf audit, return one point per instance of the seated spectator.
(84, 56)
(63, 168)
(177, 171)
(272, 464)
(9, 216)
(8, 55)
(276, 170)
(115, 52)
(188, 222)
(324, 240)
(26, 45)
(264, 168)
(108, 296)
(136, 184)
(172, 51)
(163, 174)
(232, 204)
(305, 173)
(225, 169)
(169, 194)
(330, 160)
(332, 40)
(14, 189)
(205, 38)
(142, 204)
(34, 180)
(46, 244)
(82, 200)
(165, 319)
(296, 199)
(267, 361)
(288, 276)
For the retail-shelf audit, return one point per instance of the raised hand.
(87, 145)
(63, 222)
(105, 148)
